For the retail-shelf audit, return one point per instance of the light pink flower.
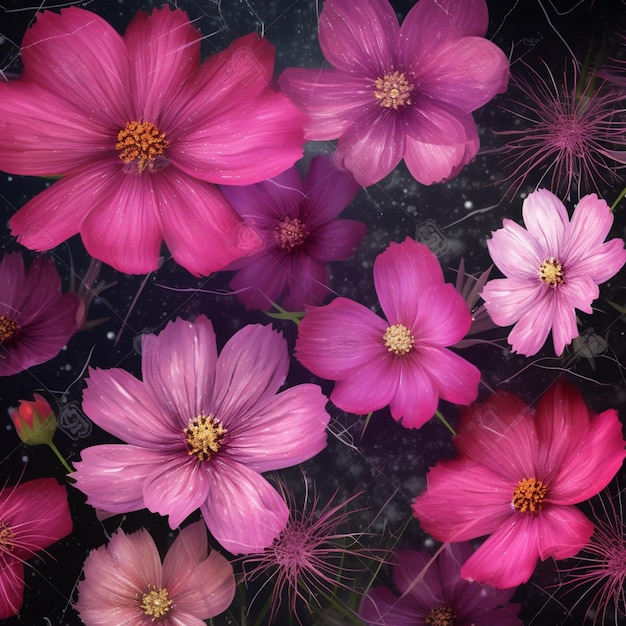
(297, 221)
(33, 516)
(36, 318)
(433, 592)
(402, 362)
(400, 92)
(518, 475)
(552, 268)
(125, 583)
(200, 430)
(138, 128)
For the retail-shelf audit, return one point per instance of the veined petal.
(307, 280)
(591, 222)
(11, 587)
(261, 282)
(382, 606)
(578, 291)
(564, 326)
(603, 263)
(547, 221)
(337, 240)
(508, 299)
(532, 329)
(561, 531)
(516, 252)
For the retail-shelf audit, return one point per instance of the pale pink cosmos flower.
(400, 92)
(431, 591)
(518, 474)
(127, 585)
(401, 361)
(552, 268)
(33, 516)
(36, 318)
(297, 221)
(138, 128)
(200, 430)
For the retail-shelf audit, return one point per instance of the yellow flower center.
(204, 436)
(398, 339)
(443, 616)
(156, 603)
(140, 144)
(529, 495)
(393, 90)
(291, 233)
(551, 272)
(7, 538)
(8, 330)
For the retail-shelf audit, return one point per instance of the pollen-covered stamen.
(204, 436)
(529, 495)
(441, 616)
(7, 538)
(398, 339)
(291, 233)
(141, 143)
(393, 90)
(8, 330)
(156, 602)
(551, 272)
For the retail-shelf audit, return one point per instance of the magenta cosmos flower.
(518, 475)
(138, 128)
(433, 592)
(552, 268)
(400, 92)
(402, 362)
(125, 583)
(33, 516)
(200, 430)
(297, 221)
(36, 318)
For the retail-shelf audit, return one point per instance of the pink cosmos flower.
(518, 475)
(402, 362)
(552, 268)
(33, 516)
(138, 128)
(127, 585)
(433, 592)
(400, 92)
(200, 430)
(297, 222)
(36, 318)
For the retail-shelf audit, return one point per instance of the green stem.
(619, 198)
(60, 457)
(444, 421)
(294, 316)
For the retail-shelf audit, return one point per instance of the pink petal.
(604, 262)
(547, 222)
(243, 512)
(577, 292)
(337, 240)
(508, 299)
(591, 222)
(261, 282)
(11, 587)
(562, 531)
(307, 281)
(532, 329)
(517, 254)
(564, 326)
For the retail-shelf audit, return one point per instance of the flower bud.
(34, 421)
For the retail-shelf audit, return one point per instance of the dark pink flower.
(432, 592)
(33, 516)
(403, 362)
(518, 475)
(138, 128)
(552, 268)
(200, 430)
(36, 318)
(34, 420)
(297, 221)
(126, 584)
(400, 92)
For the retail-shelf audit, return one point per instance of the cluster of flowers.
(152, 145)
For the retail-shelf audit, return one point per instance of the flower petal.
(516, 252)
(508, 299)
(591, 222)
(11, 588)
(337, 240)
(547, 221)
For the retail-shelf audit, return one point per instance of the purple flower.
(400, 92)
(403, 362)
(433, 592)
(126, 583)
(552, 268)
(200, 430)
(297, 222)
(36, 318)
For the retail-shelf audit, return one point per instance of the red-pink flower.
(400, 92)
(36, 318)
(126, 583)
(200, 430)
(402, 361)
(433, 592)
(297, 221)
(518, 475)
(138, 128)
(33, 516)
(552, 268)
(34, 420)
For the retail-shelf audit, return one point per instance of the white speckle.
(468, 204)
(429, 542)
(67, 367)
(110, 335)
(10, 178)
(24, 459)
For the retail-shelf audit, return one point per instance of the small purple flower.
(297, 221)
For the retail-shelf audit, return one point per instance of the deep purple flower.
(297, 221)
(200, 430)
(400, 92)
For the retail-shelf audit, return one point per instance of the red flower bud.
(34, 421)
